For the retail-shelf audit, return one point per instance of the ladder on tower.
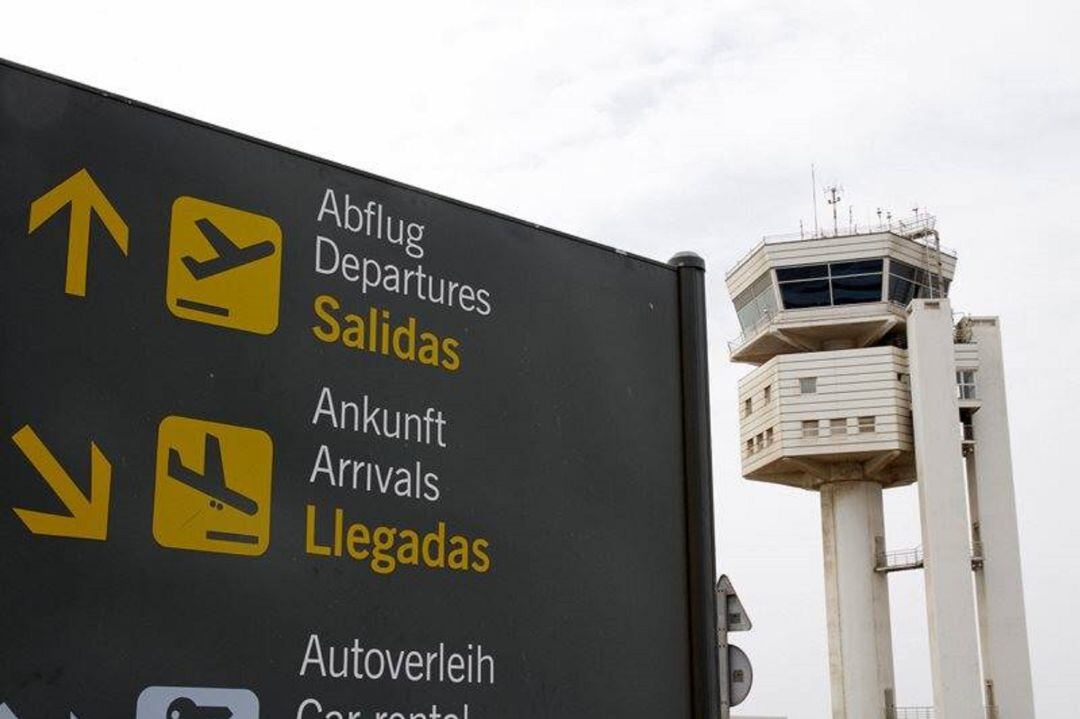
(922, 230)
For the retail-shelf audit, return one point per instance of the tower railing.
(751, 331)
(918, 228)
(899, 560)
(770, 316)
(909, 713)
(928, 713)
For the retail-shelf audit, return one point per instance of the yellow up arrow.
(82, 193)
(89, 517)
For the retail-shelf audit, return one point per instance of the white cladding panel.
(860, 385)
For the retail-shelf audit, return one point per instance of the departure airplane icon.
(229, 254)
(224, 266)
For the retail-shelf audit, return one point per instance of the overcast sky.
(659, 127)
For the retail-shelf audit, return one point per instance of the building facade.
(865, 380)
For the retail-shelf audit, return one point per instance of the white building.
(865, 381)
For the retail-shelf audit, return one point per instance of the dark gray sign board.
(294, 440)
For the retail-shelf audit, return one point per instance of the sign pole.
(698, 475)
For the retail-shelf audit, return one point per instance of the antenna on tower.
(851, 219)
(813, 186)
(833, 193)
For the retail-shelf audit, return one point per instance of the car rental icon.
(196, 703)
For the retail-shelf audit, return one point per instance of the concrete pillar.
(946, 529)
(857, 599)
(1000, 587)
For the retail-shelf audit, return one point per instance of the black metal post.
(698, 468)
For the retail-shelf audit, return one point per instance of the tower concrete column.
(1002, 620)
(857, 599)
(946, 529)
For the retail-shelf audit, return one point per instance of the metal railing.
(750, 332)
(899, 560)
(927, 713)
(910, 713)
(918, 228)
(767, 318)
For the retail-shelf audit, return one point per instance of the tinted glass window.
(902, 291)
(838, 283)
(907, 283)
(859, 267)
(806, 272)
(811, 293)
(901, 270)
(857, 288)
(756, 302)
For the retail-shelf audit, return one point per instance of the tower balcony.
(817, 417)
(779, 331)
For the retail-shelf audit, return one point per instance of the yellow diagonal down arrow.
(89, 518)
(85, 197)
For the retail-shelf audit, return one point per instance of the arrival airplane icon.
(212, 481)
(212, 487)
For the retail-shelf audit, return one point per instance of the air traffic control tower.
(864, 380)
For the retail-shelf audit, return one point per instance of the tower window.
(810, 429)
(756, 303)
(866, 424)
(907, 282)
(750, 446)
(748, 407)
(838, 427)
(808, 385)
(965, 384)
(769, 437)
(768, 394)
(838, 283)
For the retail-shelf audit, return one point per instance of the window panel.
(756, 302)
(901, 269)
(805, 272)
(907, 283)
(812, 293)
(902, 291)
(859, 288)
(858, 267)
